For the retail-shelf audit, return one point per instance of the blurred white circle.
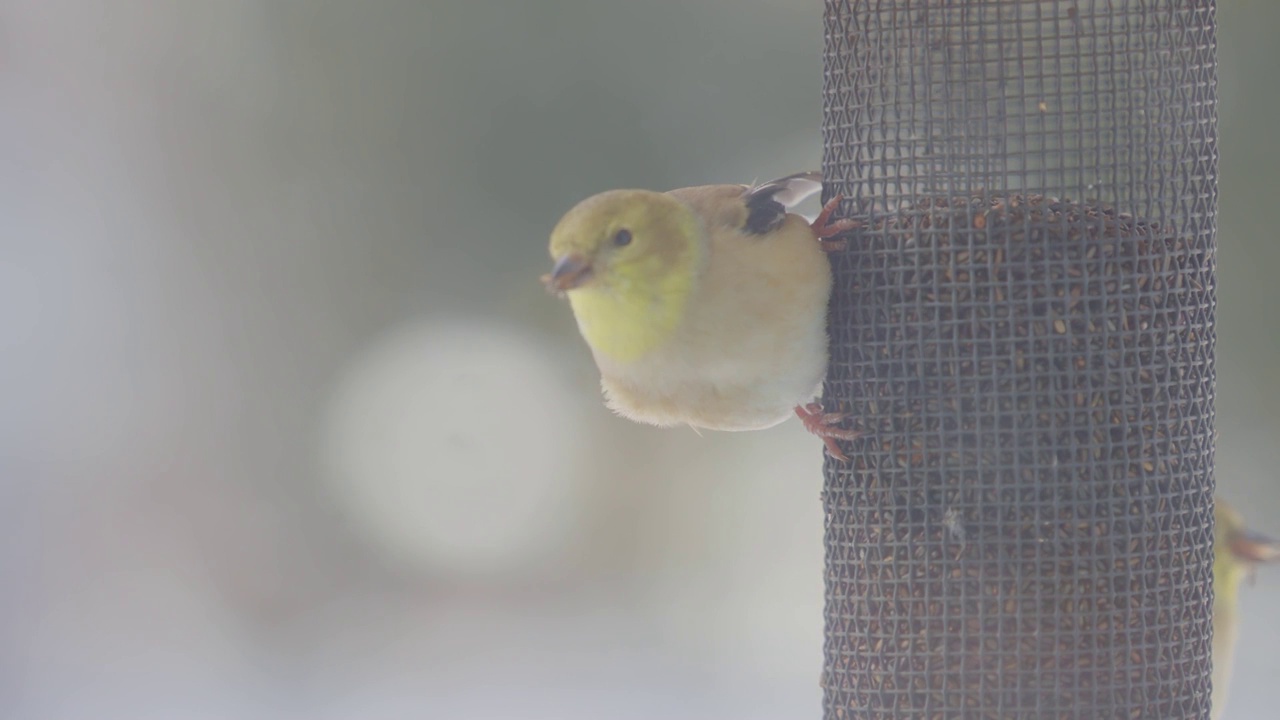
(456, 447)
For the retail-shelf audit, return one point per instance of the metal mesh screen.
(1024, 329)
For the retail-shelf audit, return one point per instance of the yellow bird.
(705, 306)
(1236, 551)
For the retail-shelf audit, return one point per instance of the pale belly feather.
(752, 348)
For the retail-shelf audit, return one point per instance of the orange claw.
(823, 229)
(822, 423)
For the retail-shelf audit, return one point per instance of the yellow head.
(1236, 550)
(628, 261)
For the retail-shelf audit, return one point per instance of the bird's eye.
(622, 237)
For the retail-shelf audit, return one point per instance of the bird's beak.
(570, 271)
(1255, 547)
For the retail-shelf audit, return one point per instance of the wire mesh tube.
(1024, 329)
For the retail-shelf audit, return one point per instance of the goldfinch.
(1236, 551)
(705, 306)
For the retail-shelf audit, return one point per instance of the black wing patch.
(764, 214)
(767, 204)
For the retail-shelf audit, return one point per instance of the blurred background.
(291, 430)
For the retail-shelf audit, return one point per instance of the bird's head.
(623, 241)
(1244, 544)
(1237, 549)
(628, 261)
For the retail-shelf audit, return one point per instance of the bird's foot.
(823, 424)
(824, 229)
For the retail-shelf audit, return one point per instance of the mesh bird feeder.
(1024, 329)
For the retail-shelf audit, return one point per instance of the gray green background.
(290, 430)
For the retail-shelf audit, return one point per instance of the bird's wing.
(750, 209)
(790, 190)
